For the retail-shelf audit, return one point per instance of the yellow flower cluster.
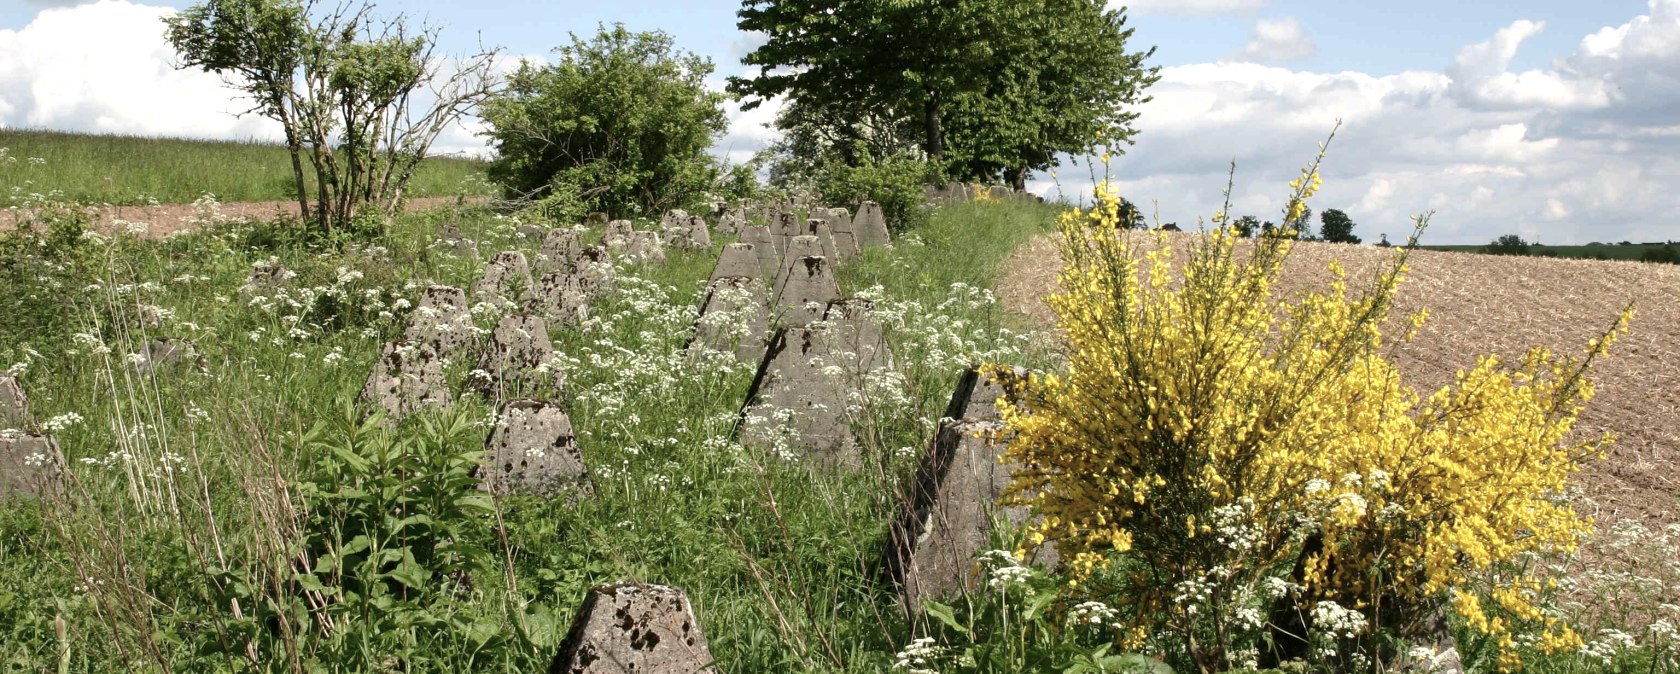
(1190, 389)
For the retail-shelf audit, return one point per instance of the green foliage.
(988, 85)
(1666, 254)
(623, 120)
(895, 183)
(45, 265)
(1508, 244)
(1337, 227)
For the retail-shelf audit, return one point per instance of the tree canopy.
(620, 122)
(982, 87)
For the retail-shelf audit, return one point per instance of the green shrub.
(896, 184)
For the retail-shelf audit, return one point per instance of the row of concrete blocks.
(960, 192)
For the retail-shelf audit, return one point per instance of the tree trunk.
(935, 132)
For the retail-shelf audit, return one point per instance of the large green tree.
(619, 123)
(1337, 227)
(988, 86)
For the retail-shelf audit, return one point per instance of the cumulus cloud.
(1583, 150)
(1187, 7)
(1277, 40)
(106, 68)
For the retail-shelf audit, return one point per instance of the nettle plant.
(1247, 480)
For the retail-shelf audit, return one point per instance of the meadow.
(130, 170)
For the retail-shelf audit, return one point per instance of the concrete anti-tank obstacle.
(737, 259)
(31, 466)
(14, 404)
(529, 232)
(533, 450)
(158, 354)
(561, 299)
(797, 247)
(855, 335)
(407, 378)
(870, 226)
(806, 285)
(786, 226)
(946, 516)
(699, 236)
(516, 360)
(559, 251)
(596, 271)
(645, 248)
(734, 317)
(818, 227)
(452, 239)
(618, 234)
(764, 245)
(442, 321)
(630, 628)
(845, 239)
(266, 275)
(506, 280)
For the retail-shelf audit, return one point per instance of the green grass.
(134, 170)
(141, 565)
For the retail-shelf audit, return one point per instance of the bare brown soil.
(1481, 304)
(165, 219)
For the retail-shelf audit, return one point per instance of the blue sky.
(1557, 120)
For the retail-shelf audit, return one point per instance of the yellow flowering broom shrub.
(1213, 452)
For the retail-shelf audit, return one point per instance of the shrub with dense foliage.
(1217, 462)
(894, 183)
(619, 123)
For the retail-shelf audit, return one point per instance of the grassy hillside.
(134, 170)
(173, 503)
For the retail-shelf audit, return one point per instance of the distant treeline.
(1512, 244)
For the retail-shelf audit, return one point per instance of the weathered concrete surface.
(734, 317)
(562, 298)
(737, 259)
(845, 237)
(529, 232)
(764, 245)
(442, 320)
(870, 226)
(516, 361)
(618, 234)
(690, 233)
(645, 248)
(630, 628)
(806, 288)
(14, 404)
(533, 450)
(407, 378)
(596, 271)
(31, 466)
(945, 520)
(506, 280)
(797, 405)
(559, 251)
(819, 228)
(266, 275)
(855, 335)
(732, 220)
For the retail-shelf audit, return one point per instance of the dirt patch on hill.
(165, 219)
(1504, 305)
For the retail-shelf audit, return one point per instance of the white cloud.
(1277, 40)
(1187, 7)
(1586, 149)
(106, 68)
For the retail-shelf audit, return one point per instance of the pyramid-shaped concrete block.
(596, 271)
(734, 318)
(764, 245)
(561, 299)
(406, 379)
(797, 405)
(618, 234)
(533, 450)
(806, 291)
(691, 233)
(631, 628)
(559, 252)
(517, 361)
(737, 259)
(162, 354)
(818, 227)
(845, 239)
(797, 247)
(946, 514)
(856, 335)
(443, 321)
(645, 248)
(506, 281)
(870, 226)
(14, 405)
(31, 466)
(453, 240)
